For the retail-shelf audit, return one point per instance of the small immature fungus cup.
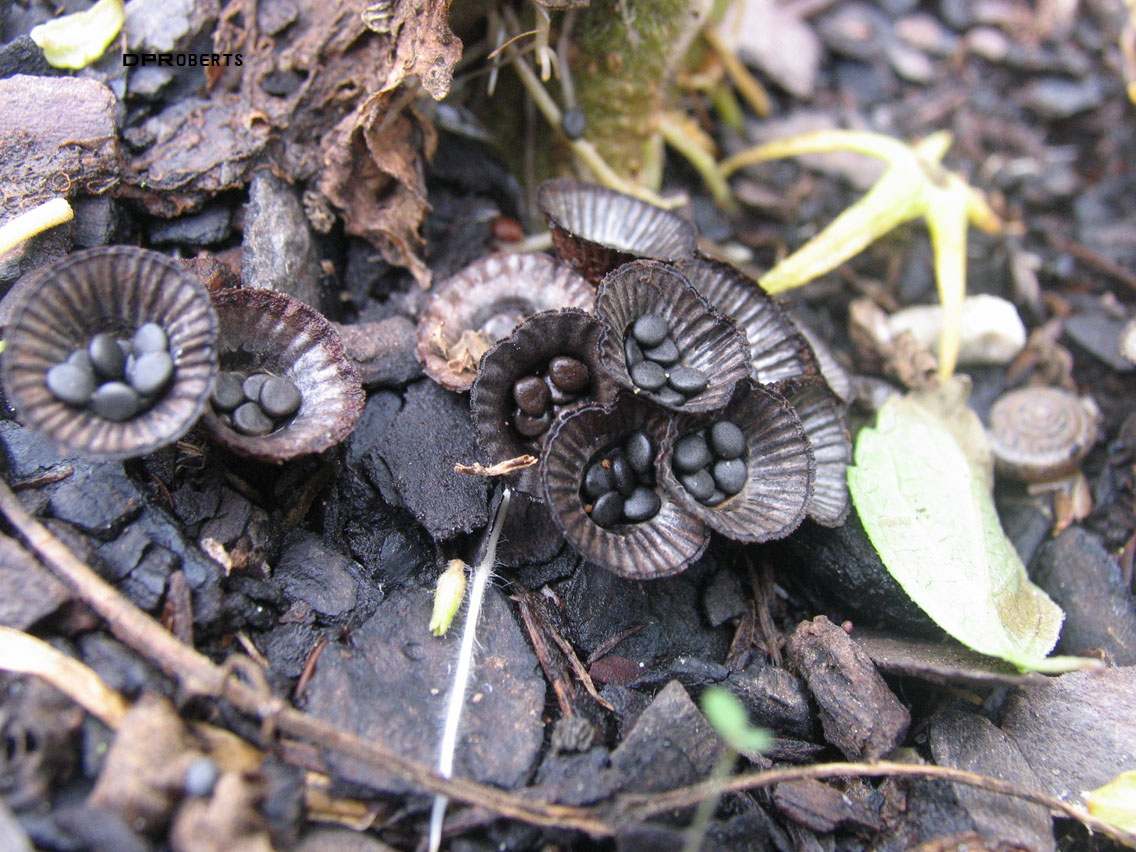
(595, 229)
(599, 470)
(665, 342)
(469, 312)
(747, 470)
(1039, 434)
(548, 363)
(822, 416)
(287, 387)
(111, 352)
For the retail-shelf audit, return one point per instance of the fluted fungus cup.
(286, 387)
(111, 352)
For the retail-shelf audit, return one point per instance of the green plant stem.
(34, 221)
(696, 832)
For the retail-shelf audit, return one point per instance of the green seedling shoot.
(727, 715)
(914, 185)
(448, 596)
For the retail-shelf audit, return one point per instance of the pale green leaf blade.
(928, 510)
(1115, 801)
(75, 41)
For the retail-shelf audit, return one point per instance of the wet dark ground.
(586, 684)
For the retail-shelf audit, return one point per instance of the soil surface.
(312, 719)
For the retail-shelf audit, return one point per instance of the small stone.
(151, 372)
(530, 426)
(252, 385)
(115, 401)
(666, 353)
(598, 480)
(532, 395)
(632, 352)
(569, 374)
(608, 509)
(150, 337)
(730, 475)
(279, 397)
(642, 505)
(623, 475)
(700, 484)
(558, 396)
(691, 454)
(648, 375)
(727, 440)
(639, 452)
(688, 381)
(249, 419)
(70, 384)
(107, 356)
(228, 392)
(200, 778)
(650, 330)
(669, 396)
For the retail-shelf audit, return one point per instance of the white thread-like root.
(460, 688)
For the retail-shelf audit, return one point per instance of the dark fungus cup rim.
(822, 415)
(778, 351)
(596, 229)
(666, 544)
(779, 461)
(526, 352)
(262, 330)
(708, 340)
(498, 290)
(111, 289)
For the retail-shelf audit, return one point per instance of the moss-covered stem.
(626, 55)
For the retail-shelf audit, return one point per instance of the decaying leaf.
(328, 71)
(75, 41)
(922, 486)
(1115, 801)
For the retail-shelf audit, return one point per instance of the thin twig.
(198, 674)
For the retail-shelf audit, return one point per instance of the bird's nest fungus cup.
(111, 352)
(822, 416)
(286, 387)
(548, 363)
(777, 349)
(745, 471)
(664, 340)
(595, 229)
(600, 476)
(469, 312)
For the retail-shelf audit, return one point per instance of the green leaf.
(75, 41)
(921, 485)
(729, 718)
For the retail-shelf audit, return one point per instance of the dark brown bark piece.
(383, 352)
(28, 591)
(967, 741)
(57, 138)
(822, 808)
(1077, 731)
(431, 433)
(391, 686)
(671, 744)
(860, 715)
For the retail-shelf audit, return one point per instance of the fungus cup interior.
(707, 340)
(666, 544)
(113, 290)
(780, 467)
(527, 352)
(469, 312)
(595, 229)
(778, 351)
(265, 331)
